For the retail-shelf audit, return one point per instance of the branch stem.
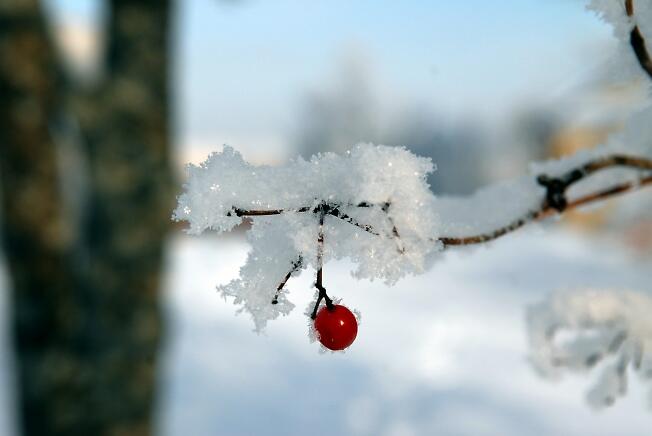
(320, 272)
(554, 203)
(637, 42)
(566, 180)
(295, 267)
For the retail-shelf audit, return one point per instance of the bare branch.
(486, 237)
(614, 160)
(554, 203)
(610, 192)
(637, 42)
(629, 8)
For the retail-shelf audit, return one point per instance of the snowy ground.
(443, 353)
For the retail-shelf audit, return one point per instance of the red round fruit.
(336, 327)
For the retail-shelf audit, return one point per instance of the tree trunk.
(86, 317)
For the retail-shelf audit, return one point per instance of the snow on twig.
(579, 331)
(373, 206)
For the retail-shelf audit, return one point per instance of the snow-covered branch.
(579, 331)
(374, 206)
(556, 201)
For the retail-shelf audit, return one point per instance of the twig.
(486, 237)
(395, 234)
(637, 42)
(555, 201)
(264, 212)
(344, 217)
(295, 267)
(249, 212)
(610, 192)
(556, 187)
(320, 271)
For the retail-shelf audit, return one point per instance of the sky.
(465, 59)
(243, 68)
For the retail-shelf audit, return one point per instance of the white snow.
(581, 330)
(441, 353)
(391, 182)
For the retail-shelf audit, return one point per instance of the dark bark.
(86, 319)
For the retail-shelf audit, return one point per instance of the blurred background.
(110, 324)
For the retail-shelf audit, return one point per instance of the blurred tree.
(86, 321)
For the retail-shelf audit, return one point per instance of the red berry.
(336, 327)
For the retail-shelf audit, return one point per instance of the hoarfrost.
(578, 331)
(633, 140)
(613, 12)
(390, 180)
(405, 219)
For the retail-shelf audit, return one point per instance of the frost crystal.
(624, 65)
(378, 212)
(578, 331)
(389, 181)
